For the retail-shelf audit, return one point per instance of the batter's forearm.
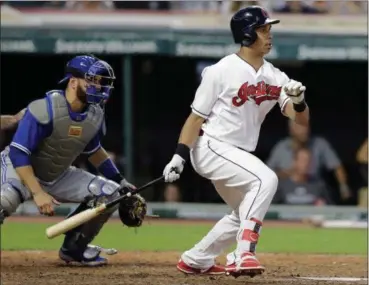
(7, 121)
(190, 130)
(20, 114)
(302, 118)
(29, 179)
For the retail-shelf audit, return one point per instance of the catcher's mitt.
(132, 211)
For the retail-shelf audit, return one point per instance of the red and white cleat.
(248, 266)
(214, 270)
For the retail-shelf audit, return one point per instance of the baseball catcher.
(53, 132)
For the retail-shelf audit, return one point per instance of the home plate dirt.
(151, 268)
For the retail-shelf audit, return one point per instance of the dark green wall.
(163, 87)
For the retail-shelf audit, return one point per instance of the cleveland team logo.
(259, 93)
(265, 13)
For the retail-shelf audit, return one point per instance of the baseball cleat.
(90, 258)
(213, 270)
(248, 266)
(108, 251)
(98, 261)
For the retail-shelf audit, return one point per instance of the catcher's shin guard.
(76, 241)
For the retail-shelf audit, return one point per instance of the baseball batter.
(10, 121)
(53, 132)
(219, 135)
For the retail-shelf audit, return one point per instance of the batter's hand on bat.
(295, 90)
(174, 168)
(45, 203)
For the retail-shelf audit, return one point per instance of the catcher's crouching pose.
(53, 132)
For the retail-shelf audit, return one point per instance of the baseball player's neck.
(252, 57)
(75, 104)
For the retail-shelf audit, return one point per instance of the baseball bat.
(85, 216)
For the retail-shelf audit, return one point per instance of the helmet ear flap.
(246, 40)
(249, 37)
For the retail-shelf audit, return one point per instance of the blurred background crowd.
(319, 165)
(280, 6)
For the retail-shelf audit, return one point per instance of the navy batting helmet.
(245, 21)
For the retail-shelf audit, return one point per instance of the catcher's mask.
(100, 82)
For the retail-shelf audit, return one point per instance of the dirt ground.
(152, 268)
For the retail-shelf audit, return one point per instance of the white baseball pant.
(246, 184)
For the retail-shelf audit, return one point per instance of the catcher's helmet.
(98, 74)
(245, 21)
(77, 67)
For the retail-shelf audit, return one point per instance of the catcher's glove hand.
(132, 211)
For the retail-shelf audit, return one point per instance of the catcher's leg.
(10, 199)
(13, 192)
(90, 190)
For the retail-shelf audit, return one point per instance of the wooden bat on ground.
(85, 216)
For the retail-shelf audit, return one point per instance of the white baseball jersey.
(234, 99)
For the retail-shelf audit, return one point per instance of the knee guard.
(10, 199)
(76, 240)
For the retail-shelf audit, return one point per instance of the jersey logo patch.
(257, 94)
(75, 131)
